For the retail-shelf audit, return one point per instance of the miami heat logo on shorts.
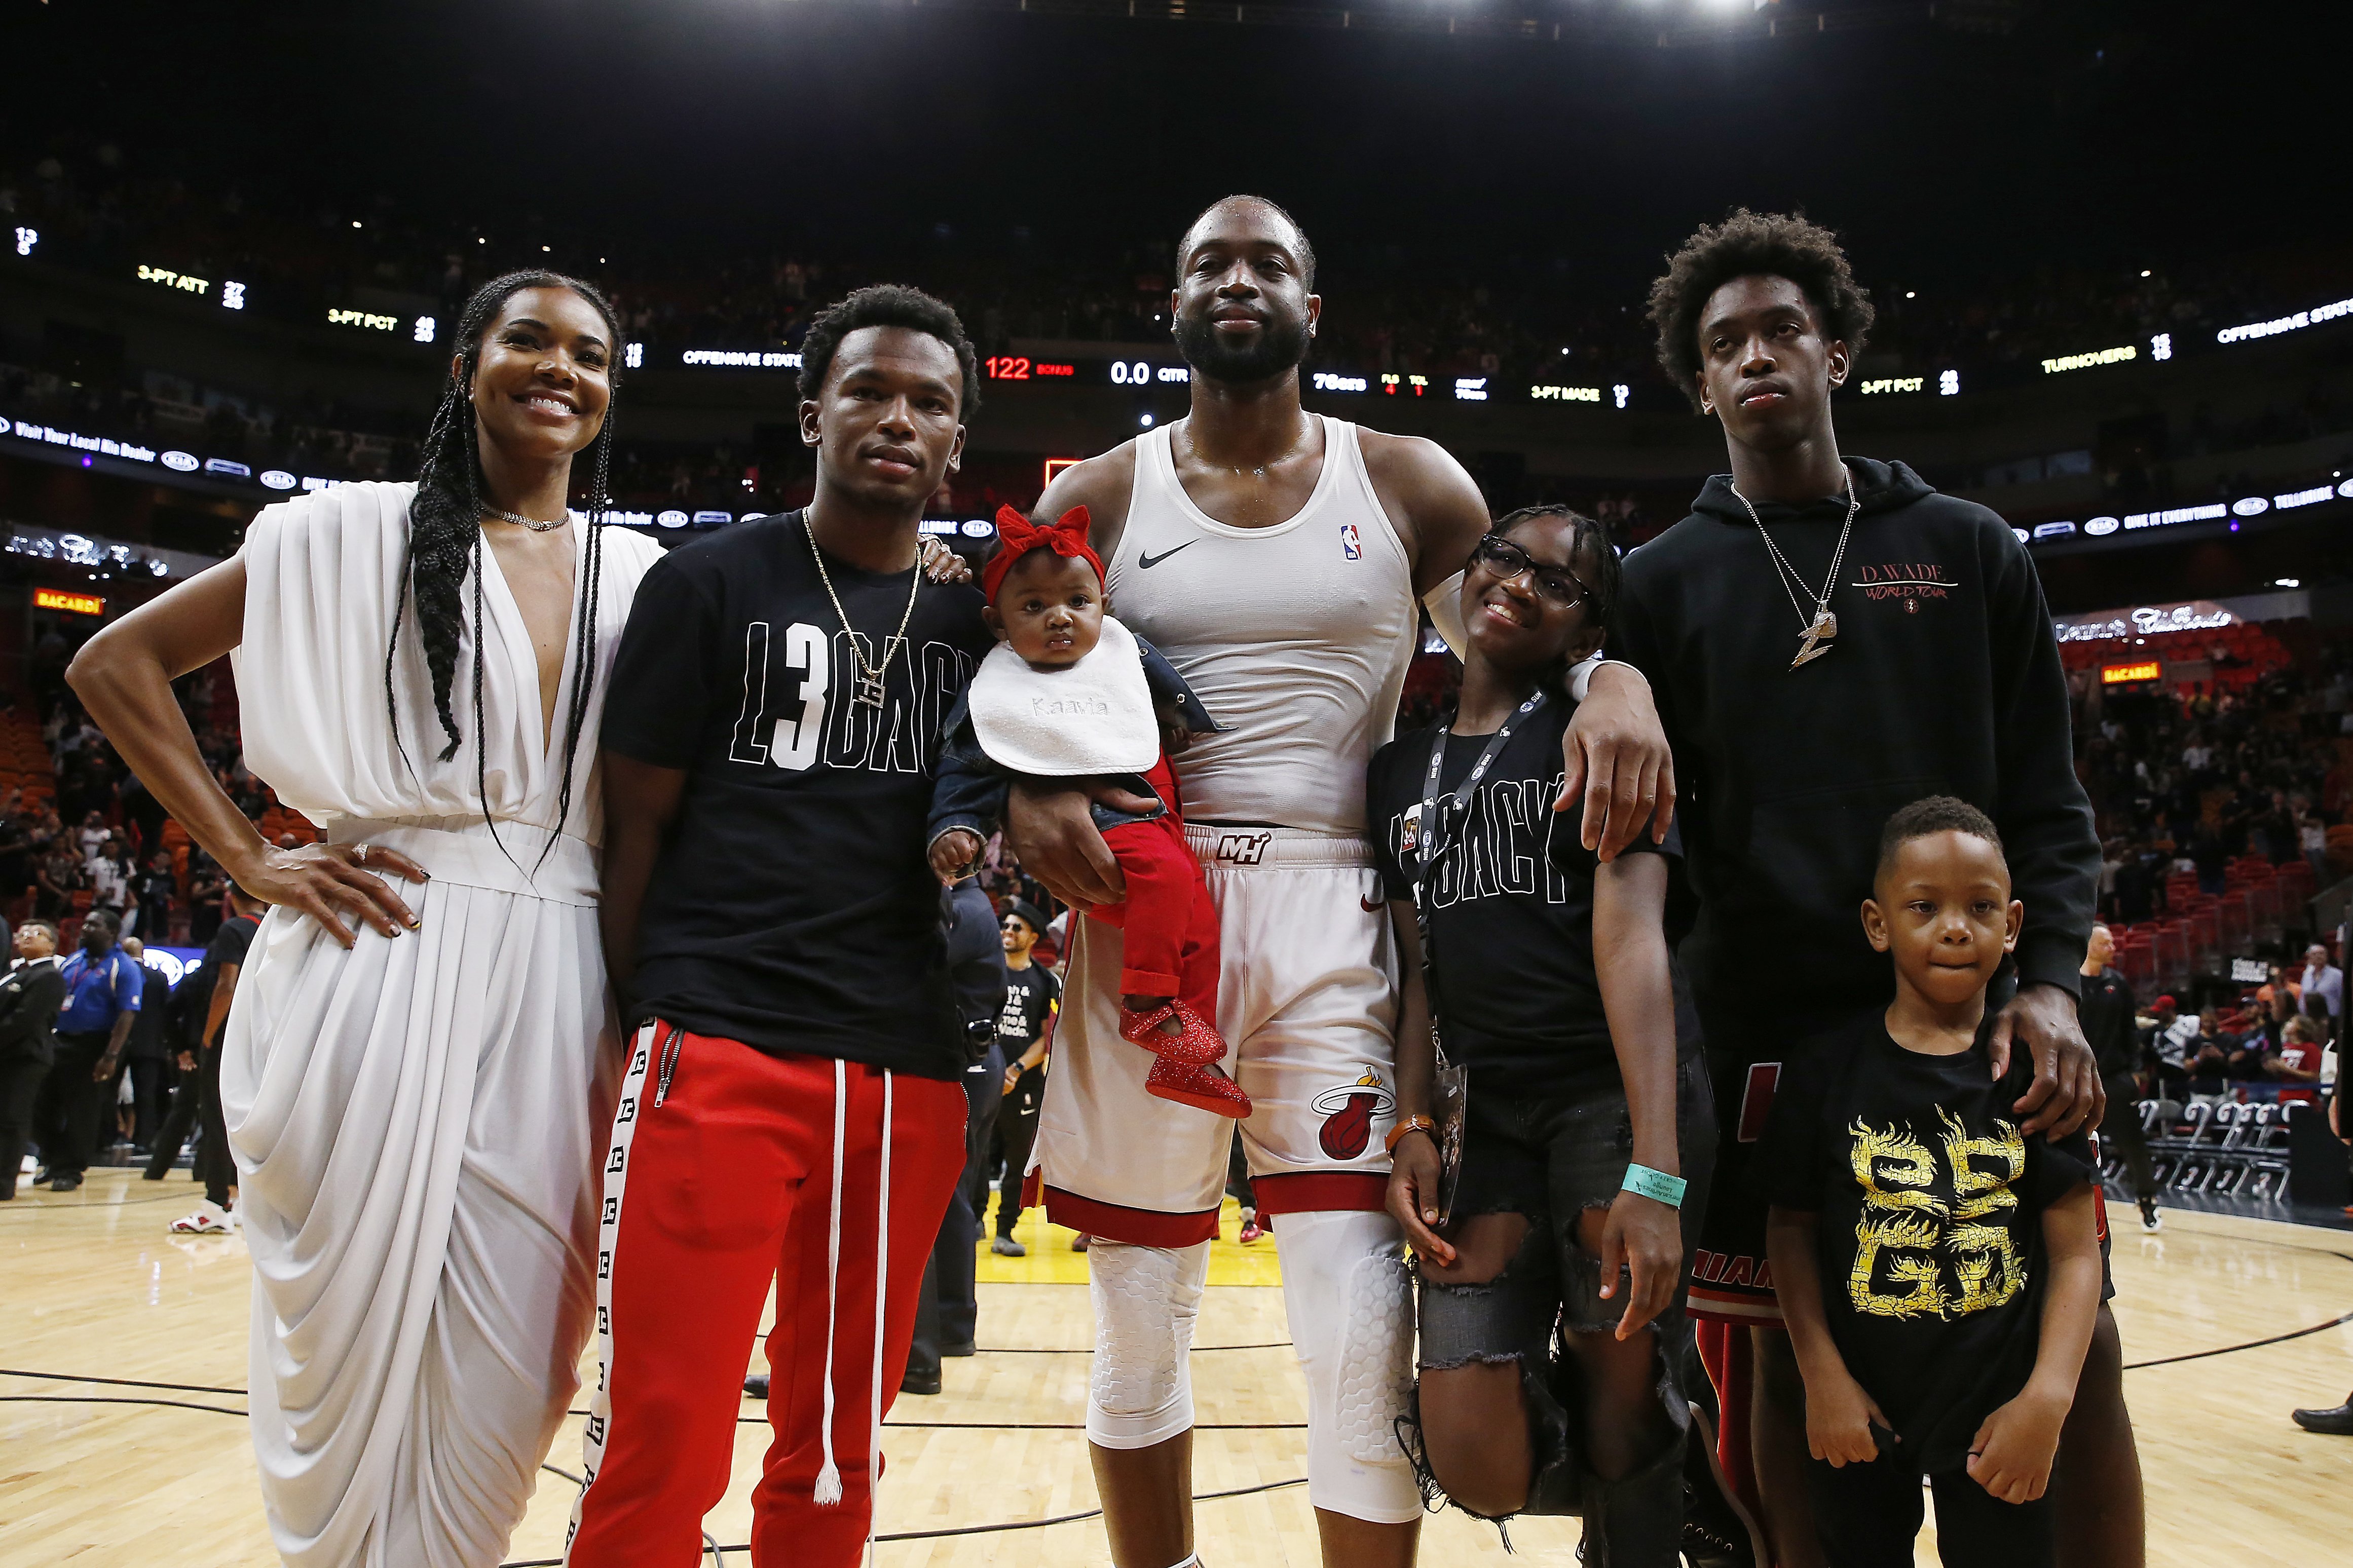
(1352, 543)
(1348, 1110)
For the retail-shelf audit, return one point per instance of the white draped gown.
(416, 1122)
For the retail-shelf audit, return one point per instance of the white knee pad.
(1350, 1303)
(1147, 1301)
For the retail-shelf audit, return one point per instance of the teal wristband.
(1643, 1182)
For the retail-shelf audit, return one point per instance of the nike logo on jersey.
(1370, 906)
(1146, 562)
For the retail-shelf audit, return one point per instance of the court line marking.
(112, 1399)
(2250, 1345)
(968, 1529)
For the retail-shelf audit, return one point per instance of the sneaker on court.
(2337, 1423)
(210, 1219)
(1718, 1532)
(1081, 1242)
(63, 1182)
(1251, 1231)
(757, 1385)
(1006, 1247)
(2150, 1219)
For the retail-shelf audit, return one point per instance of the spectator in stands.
(91, 835)
(2323, 992)
(2250, 1061)
(15, 852)
(57, 878)
(206, 885)
(103, 990)
(2174, 1032)
(2296, 1065)
(152, 892)
(147, 1059)
(2106, 1011)
(108, 871)
(2207, 1059)
(29, 997)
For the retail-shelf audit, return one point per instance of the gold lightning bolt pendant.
(1816, 640)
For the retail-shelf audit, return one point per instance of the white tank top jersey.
(1296, 636)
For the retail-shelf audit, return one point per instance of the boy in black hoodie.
(1828, 638)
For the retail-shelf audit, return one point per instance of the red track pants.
(721, 1178)
(1169, 946)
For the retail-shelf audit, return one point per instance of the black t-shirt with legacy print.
(1510, 910)
(792, 907)
(1930, 1229)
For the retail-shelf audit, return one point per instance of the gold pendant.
(1816, 640)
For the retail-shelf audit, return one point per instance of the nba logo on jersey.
(1351, 545)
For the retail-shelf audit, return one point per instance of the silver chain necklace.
(1820, 627)
(532, 523)
(869, 676)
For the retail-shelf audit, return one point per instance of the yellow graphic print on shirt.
(1917, 1254)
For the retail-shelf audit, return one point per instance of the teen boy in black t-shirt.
(794, 1106)
(1587, 1112)
(1938, 1267)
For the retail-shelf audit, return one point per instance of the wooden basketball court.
(122, 1439)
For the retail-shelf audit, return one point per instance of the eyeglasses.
(1556, 585)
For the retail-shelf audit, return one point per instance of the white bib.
(1093, 717)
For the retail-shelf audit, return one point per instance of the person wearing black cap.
(1025, 1028)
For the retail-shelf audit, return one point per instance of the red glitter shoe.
(1200, 1086)
(1199, 1044)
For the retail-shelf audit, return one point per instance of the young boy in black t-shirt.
(1939, 1270)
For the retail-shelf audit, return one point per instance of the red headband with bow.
(1016, 536)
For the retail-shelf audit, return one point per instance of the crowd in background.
(1529, 319)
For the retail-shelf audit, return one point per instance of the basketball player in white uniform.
(1276, 557)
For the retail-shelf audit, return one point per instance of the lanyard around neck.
(1434, 825)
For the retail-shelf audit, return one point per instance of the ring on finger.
(359, 854)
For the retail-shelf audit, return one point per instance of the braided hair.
(445, 542)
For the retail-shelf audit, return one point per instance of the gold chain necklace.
(869, 676)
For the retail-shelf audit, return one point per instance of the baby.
(1070, 693)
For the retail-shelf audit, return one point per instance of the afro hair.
(1749, 245)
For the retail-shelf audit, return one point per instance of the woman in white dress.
(416, 1073)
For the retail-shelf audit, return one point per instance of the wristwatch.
(1410, 1124)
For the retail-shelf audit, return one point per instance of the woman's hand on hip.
(326, 881)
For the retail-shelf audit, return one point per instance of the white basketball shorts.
(1307, 1003)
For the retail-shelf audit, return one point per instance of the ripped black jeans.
(1551, 1159)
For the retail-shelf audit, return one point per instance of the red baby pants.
(715, 1185)
(1171, 926)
